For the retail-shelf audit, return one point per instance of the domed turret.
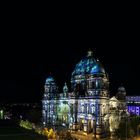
(122, 90)
(121, 94)
(50, 87)
(49, 79)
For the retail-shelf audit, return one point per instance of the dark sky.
(32, 48)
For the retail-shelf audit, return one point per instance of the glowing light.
(1, 114)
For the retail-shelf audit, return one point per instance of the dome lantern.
(89, 53)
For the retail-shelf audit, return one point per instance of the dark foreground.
(10, 130)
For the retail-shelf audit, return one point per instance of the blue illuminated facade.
(87, 106)
(133, 104)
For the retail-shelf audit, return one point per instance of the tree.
(135, 122)
(34, 115)
(65, 135)
(125, 130)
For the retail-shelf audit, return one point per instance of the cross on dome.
(89, 53)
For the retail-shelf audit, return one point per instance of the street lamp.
(1, 114)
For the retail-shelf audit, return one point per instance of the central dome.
(89, 76)
(88, 65)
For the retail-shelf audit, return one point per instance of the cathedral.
(87, 107)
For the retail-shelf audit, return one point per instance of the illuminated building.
(133, 104)
(88, 106)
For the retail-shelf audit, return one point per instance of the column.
(75, 123)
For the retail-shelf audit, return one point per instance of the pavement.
(137, 138)
(82, 136)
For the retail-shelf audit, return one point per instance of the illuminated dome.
(88, 65)
(87, 76)
(50, 88)
(50, 79)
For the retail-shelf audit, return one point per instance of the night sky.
(31, 50)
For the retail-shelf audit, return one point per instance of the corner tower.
(49, 102)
